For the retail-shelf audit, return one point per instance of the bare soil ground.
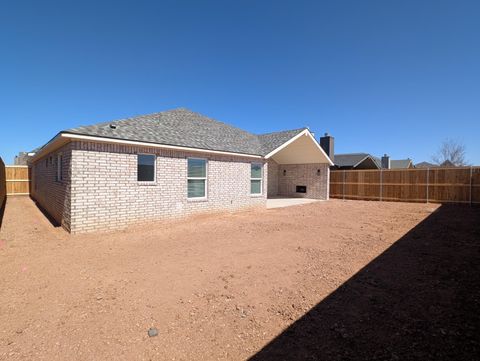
(324, 281)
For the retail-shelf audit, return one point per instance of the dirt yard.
(323, 281)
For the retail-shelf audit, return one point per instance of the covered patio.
(297, 169)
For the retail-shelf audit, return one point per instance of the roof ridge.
(282, 131)
(360, 153)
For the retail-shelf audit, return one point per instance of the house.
(22, 158)
(401, 164)
(358, 161)
(445, 164)
(425, 165)
(170, 164)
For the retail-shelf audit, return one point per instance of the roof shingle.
(182, 127)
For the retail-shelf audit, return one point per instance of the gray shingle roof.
(182, 127)
(425, 165)
(351, 159)
(400, 163)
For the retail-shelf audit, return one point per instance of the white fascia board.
(368, 156)
(304, 132)
(152, 145)
(54, 143)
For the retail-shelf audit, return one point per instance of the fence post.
(381, 184)
(471, 184)
(343, 184)
(428, 178)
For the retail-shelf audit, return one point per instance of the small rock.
(152, 332)
(99, 298)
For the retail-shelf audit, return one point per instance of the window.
(256, 178)
(197, 178)
(146, 167)
(59, 174)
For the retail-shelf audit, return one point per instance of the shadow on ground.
(419, 300)
(2, 210)
(47, 215)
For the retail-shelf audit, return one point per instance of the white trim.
(17, 180)
(24, 194)
(16, 166)
(304, 132)
(154, 169)
(260, 179)
(153, 145)
(368, 156)
(205, 197)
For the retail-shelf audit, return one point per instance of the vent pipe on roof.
(327, 144)
(386, 161)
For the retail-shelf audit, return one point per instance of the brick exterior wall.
(100, 191)
(51, 194)
(315, 177)
(105, 193)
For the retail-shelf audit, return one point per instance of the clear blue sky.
(381, 76)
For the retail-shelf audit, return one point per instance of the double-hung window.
(197, 178)
(256, 178)
(146, 167)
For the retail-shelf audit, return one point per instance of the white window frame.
(59, 170)
(154, 169)
(260, 179)
(205, 197)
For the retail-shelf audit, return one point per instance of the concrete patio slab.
(287, 202)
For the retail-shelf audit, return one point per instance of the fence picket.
(452, 185)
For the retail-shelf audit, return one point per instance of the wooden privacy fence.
(18, 180)
(438, 185)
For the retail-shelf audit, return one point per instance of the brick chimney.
(327, 144)
(386, 161)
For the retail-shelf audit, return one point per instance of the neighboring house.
(425, 165)
(356, 161)
(23, 158)
(170, 164)
(368, 161)
(401, 164)
(361, 160)
(445, 164)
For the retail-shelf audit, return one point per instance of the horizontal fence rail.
(17, 179)
(436, 185)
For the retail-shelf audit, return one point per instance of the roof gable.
(353, 159)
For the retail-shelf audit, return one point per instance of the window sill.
(140, 183)
(256, 195)
(202, 199)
